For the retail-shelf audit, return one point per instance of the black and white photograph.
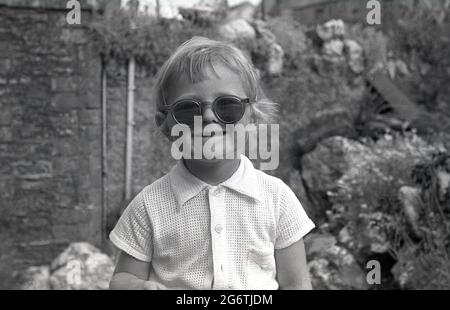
(225, 145)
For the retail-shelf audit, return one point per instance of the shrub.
(150, 41)
(422, 39)
(424, 262)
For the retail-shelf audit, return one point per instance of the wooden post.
(104, 167)
(130, 117)
(130, 125)
(263, 10)
(158, 10)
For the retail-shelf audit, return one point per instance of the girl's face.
(224, 82)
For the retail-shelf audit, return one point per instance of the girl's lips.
(213, 134)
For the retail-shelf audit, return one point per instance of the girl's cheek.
(245, 118)
(248, 117)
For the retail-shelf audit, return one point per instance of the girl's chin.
(209, 161)
(216, 155)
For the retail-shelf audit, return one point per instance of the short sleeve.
(293, 222)
(132, 233)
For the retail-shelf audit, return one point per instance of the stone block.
(84, 182)
(73, 35)
(5, 65)
(94, 167)
(95, 196)
(33, 170)
(5, 167)
(93, 133)
(65, 102)
(90, 116)
(96, 180)
(6, 134)
(31, 184)
(65, 124)
(64, 166)
(93, 99)
(65, 84)
(7, 185)
(45, 148)
(5, 116)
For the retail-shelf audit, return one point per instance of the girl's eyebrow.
(196, 97)
(188, 96)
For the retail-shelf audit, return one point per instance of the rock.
(354, 178)
(332, 267)
(241, 11)
(347, 171)
(237, 29)
(274, 65)
(391, 69)
(410, 199)
(403, 271)
(331, 29)
(375, 232)
(291, 36)
(333, 48)
(37, 278)
(419, 268)
(402, 274)
(275, 62)
(374, 44)
(344, 236)
(396, 66)
(332, 52)
(81, 266)
(200, 15)
(443, 177)
(402, 67)
(366, 235)
(263, 31)
(355, 54)
(336, 121)
(424, 68)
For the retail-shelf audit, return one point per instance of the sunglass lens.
(184, 112)
(230, 110)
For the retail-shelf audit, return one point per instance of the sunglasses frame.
(243, 101)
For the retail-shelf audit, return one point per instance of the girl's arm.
(131, 274)
(292, 270)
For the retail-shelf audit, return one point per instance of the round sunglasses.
(227, 109)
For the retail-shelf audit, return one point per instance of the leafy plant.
(421, 37)
(119, 34)
(425, 262)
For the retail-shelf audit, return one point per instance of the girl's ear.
(160, 119)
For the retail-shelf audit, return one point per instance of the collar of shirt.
(185, 185)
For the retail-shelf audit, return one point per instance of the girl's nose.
(208, 114)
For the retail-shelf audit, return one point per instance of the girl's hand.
(153, 286)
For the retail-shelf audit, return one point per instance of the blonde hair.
(195, 56)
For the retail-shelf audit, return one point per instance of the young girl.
(211, 223)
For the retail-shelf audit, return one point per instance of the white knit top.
(199, 236)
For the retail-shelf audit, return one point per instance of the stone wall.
(151, 151)
(49, 137)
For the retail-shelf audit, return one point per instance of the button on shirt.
(199, 236)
